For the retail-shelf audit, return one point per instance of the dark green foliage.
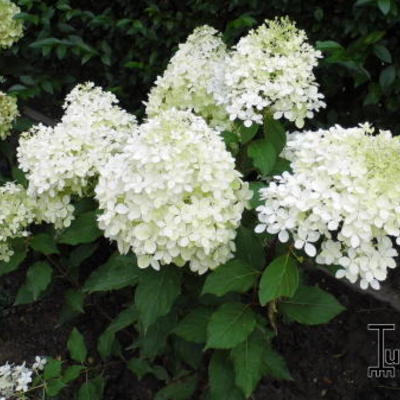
(124, 45)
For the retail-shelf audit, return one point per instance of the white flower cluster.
(271, 69)
(17, 212)
(174, 195)
(62, 161)
(10, 29)
(194, 79)
(344, 193)
(8, 113)
(15, 379)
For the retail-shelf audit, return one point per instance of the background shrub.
(124, 45)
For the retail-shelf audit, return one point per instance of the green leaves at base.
(246, 134)
(156, 293)
(82, 230)
(280, 279)
(255, 188)
(107, 338)
(263, 154)
(234, 276)
(76, 346)
(38, 278)
(193, 327)
(249, 248)
(181, 390)
(52, 369)
(222, 378)
(44, 243)
(16, 259)
(92, 390)
(71, 373)
(311, 306)
(248, 359)
(274, 365)
(274, 133)
(230, 325)
(118, 272)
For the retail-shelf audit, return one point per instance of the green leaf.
(230, 325)
(280, 279)
(19, 176)
(106, 339)
(387, 76)
(248, 359)
(281, 166)
(76, 346)
(234, 276)
(118, 272)
(45, 42)
(274, 133)
(311, 306)
(255, 188)
(188, 352)
(181, 390)
(374, 37)
(82, 230)
(54, 387)
(246, 134)
(328, 45)
(222, 378)
(249, 248)
(384, 6)
(92, 390)
(24, 296)
(382, 53)
(263, 154)
(156, 293)
(44, 243)
(81, 253)
(139, 367)
(75, 299)
(105, 344)
(52, 369)
(123, 319)
(193, 327)
(274, 365)
(38, 278)
(71, 373)
(16, 259)
(152, 341)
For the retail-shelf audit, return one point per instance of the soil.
(327, 362)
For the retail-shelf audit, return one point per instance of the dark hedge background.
(123, 45)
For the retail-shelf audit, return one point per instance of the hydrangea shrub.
(193, 201)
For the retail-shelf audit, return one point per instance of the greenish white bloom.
(17, 212)
(173, 195)
(63, 161)
(11, 29)
(194, 79)
(341, 203)
(8, 113)
(271, 70)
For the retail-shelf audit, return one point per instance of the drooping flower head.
(344, 194)
(8, 113)
(271, 70)
(64, 160)
(174, 195)
(17, 212)
(194, 79)
(10, 29)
